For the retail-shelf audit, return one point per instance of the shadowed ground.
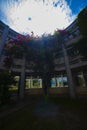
(38, 113)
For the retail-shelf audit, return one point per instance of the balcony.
(59, 61)
(60, 67)
(73, 40)
(17, 61)
(16, 70)
(78, 61)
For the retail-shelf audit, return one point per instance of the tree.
(81, 45)
(39, 57)
(82, 21)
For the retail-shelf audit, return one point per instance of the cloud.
(45, 16)
(70, 3)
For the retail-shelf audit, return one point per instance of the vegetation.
(38, 55)
(82, 21)
(6, 79)
(81, 45)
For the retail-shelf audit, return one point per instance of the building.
(51, 59)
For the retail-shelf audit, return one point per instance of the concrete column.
(4, 37)
(40, 83)
(62, 81)
(57, 82)
(31, 82)
(19, 87)
(83, 79)
(22, 80)
(69, 74)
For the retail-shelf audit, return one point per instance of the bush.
(6, 79)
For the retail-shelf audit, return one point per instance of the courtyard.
(43, 70)
(46, 113)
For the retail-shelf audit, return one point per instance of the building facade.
(52, 59)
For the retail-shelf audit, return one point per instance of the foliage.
(82, 21)
(38, 54)
(6, 79)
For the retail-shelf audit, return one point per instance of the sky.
(39, 16)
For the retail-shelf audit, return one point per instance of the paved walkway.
(43, 108)
(11, 110)
(46, 109)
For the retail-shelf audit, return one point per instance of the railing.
(78, 60)
(16, 69)
(18, 61)
(59, 61)
(73, 40)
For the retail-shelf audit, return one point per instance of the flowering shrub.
(14, 47)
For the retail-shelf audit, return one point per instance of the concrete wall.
(34, 91)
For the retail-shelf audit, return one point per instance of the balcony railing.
(18, 61)
(73, 40)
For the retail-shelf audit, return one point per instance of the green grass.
(71, 115)
(13, 88)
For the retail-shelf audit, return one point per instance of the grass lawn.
(48, 114)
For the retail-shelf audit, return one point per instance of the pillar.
(4, 37)
(46, 83)
(62, 81)
(69, 74)
(22, 80)
(55, 81)
(83, 79)
(40, 85)
(29, 83)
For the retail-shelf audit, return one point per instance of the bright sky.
(38, 16)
